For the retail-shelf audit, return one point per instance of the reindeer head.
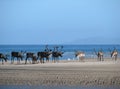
(60, 54)
(76, 53)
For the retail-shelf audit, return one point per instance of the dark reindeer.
(44, 55)
(3, 58)
(114, 54)
(41, 56)
(56, 54)
(32, 56)
(47, 52)
(99, 54)
(34, 59)
(80, 55)
(18, 55)
(47, 55)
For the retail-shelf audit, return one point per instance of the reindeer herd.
(39, 57)
(81, 55)
(55, 54)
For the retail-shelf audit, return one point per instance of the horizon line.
(59, 44)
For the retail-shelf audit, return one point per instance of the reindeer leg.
(21, 59)
(17, 60)
(102, 58)
(32, 60)
(47, 59)
(43, 60)
(11, 60)
(98, 59)
(115, 58)
(58, 59)
(2, 61)
(54, 59)
(82, 59)
(26, 61)
(37, 59)
(40, 60)
(78, 58)
(29, 60)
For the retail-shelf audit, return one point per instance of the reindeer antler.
(109, 50)
(95, 51)
(101, 49)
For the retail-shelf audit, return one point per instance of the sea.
(69, 50)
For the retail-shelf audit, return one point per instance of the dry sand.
(70, 73)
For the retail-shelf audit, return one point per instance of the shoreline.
(87, 60)
(88, 73)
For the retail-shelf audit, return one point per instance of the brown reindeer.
(29, 56)
(34, 59)
(3, 58)
(41, 56)
(44, 54)
(114, 54)
(99, 54)
(80, 55)
(18, 55)
(57, 53)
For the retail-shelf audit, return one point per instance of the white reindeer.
(80, 55)
(99, 54)
(114, 54)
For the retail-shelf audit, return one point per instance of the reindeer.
(3, 58)
(34, 59)
(80, 55)
(28, 56)
(57, 53)
(41, 56)
(18, 55)
(44, 54)
(99, 54)
(114, 54)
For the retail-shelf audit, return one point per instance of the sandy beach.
(67, 73)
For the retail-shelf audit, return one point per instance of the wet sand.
(65, 73)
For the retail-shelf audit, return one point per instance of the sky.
(59, 21)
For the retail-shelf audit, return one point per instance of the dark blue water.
(54, 87)
(69, 50)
